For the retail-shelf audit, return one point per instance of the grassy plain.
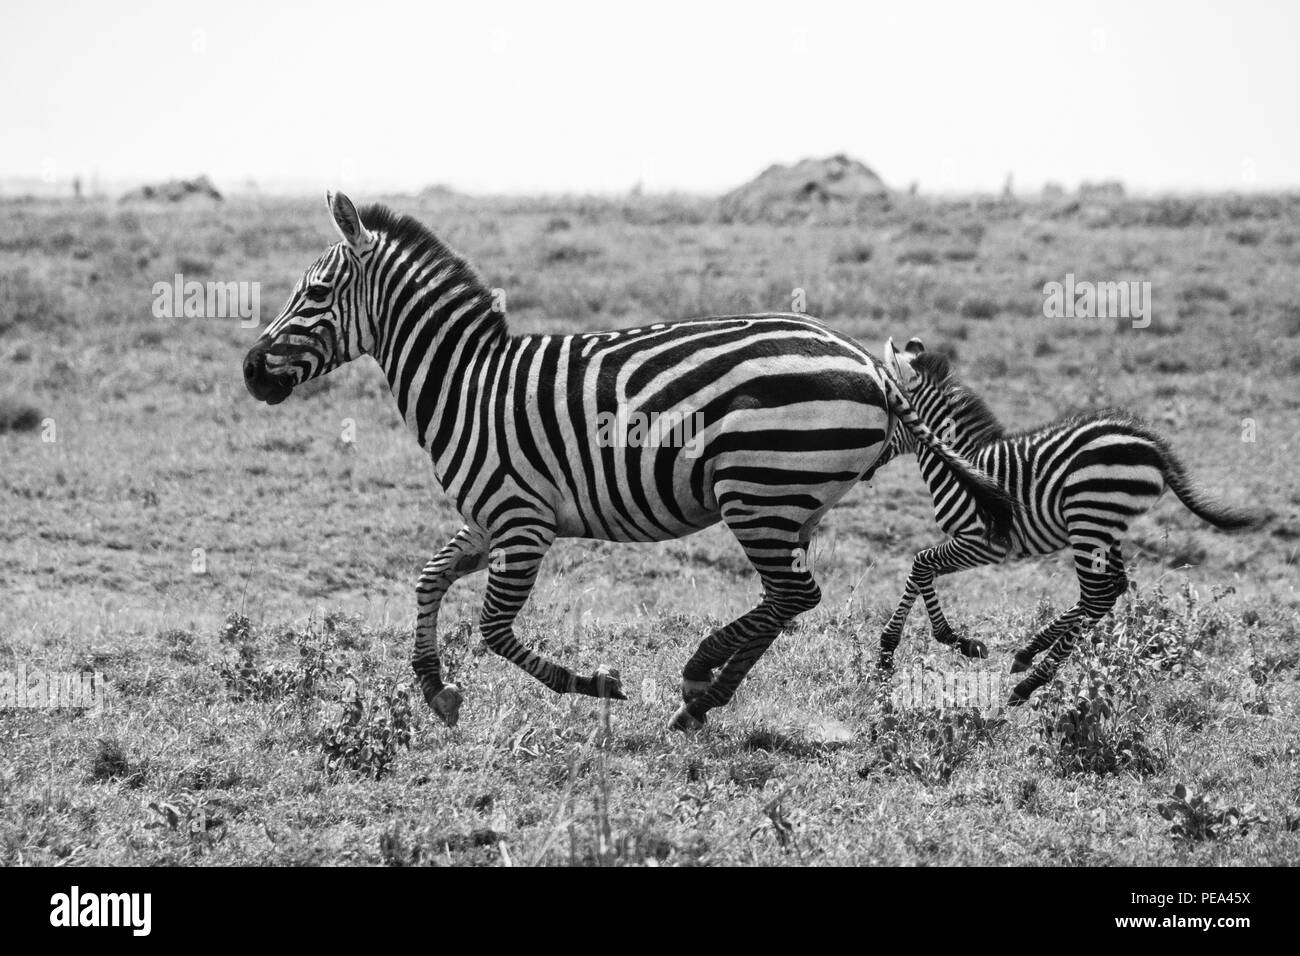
(224, 740)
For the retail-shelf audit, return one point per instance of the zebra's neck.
(436, 327)
(957, 430)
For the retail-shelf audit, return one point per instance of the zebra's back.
(1085, 473)
(649, 433)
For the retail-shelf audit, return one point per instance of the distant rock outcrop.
(1110, 190)
(174, 190)
(438, 191)
(834, 185)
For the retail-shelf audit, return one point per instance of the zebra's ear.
(346, 220)
(914, 346)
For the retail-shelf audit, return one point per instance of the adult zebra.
(786, 416)
(1079, 481)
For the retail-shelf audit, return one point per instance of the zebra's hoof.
(1021, 662)
(885, 665)
(685, 721)
(693, 690)
(446, 704)
(972, 648)
(608, 683)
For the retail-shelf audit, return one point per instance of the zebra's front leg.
(513, 561)
(957, 554)
(893, 632)
(464, 554)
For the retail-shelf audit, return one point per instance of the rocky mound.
(175, 190)
(834, 185)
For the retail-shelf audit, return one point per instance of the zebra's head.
(922, 398)
(326, 321)
(956, 415)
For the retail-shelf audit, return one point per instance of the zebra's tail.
(995, 508)
(1199, 503)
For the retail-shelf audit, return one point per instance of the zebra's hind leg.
(788, 591)
(464, 554)
(1118, 579)
(1097, 595)
(513, 561)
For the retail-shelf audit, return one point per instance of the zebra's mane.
(962, 402)
(409, 233)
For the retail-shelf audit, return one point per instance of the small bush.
(368, 735)
(918, 257)
(109, 762)
(1196, 816)
(979, 307)
(856, 254)
(929, 745)
(16, 416)
(1097, 723)
(180, 645)
(26, 300)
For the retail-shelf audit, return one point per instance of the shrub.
(109, 762)
(18, 416)
(927, 744)
(979, 307)
(1196, 816)
(369, 733)
(26, 300)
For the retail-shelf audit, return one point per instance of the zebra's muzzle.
(261, 383)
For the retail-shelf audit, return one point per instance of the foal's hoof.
(693, 690)
(446, 704)
(686, 721)
(609, 683)
(1021, 662)
(972, 648)
(1020, 693)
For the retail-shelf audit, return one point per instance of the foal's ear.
(900, 366)
(914, 346)
(346, 221)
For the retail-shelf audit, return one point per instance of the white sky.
(551, 96)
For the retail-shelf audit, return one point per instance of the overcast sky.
(697, 96)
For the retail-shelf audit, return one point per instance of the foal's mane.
(937, 369)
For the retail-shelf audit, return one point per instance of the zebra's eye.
(317, 291)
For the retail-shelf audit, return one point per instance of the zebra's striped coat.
(1078, 482)
(791, 415)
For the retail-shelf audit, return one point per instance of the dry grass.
(286, 742)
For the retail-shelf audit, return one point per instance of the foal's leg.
(1097, 596)
(957, 554)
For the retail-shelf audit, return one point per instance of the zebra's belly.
(641, 528)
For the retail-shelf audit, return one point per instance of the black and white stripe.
(1079, 483)
(791, 416)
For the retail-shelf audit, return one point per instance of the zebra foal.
(524, 432)
(1078, 482)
